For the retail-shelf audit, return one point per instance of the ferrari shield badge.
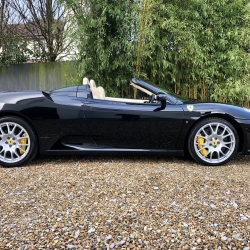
(190, 107)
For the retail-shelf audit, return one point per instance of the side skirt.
(74, 149)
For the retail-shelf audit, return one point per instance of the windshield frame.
(171, 97)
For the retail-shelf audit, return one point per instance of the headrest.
(85, 81)
(95, 93)
(101, 92)
(92, 83)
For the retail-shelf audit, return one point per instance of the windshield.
(175, 96)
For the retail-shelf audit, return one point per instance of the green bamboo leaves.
(196, 48)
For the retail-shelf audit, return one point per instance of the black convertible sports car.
(81, 119)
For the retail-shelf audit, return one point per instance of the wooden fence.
(36, 76)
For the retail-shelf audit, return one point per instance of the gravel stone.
(224, 238)
(243, 217)
(131, 236)
(237, 237)
(112, 245)
(109, 237)
(77, 233)
(91, 230)
(198, 240)
(125, 202)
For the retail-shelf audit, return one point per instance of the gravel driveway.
(122, 202)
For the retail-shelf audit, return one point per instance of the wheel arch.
(226, 117)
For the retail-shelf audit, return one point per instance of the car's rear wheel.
(18, 142)
(213, 142)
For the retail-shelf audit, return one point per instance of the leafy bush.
(196, 48)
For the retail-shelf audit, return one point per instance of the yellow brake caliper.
(23, 141)
(201, 141)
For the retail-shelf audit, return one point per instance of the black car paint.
(70, 121)
(133, 125)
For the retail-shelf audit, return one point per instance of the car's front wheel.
(213, 142)
(18, 142)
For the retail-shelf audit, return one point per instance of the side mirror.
(162, 98)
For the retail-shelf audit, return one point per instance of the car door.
(133, 125)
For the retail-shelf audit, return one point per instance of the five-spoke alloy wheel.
(18, 143)
(213, 141)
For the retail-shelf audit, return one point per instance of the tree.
(105, 33)
(196, 48)
(213, 40)
(45, 24)
(11, 49)
(3, 21)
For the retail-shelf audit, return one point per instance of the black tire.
(18, 142)
(213, 142)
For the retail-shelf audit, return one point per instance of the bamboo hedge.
(196, 48)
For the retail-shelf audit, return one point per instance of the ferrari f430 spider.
(81, 119)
